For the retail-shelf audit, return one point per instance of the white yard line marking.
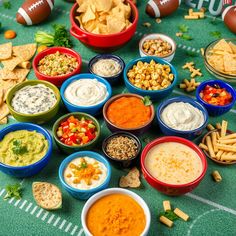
(45, 216)
(7, 17)
(39, 213)
(11, 200)
(74, 229)
(50, 219)
(208, 202)
(17, 202)
(62, 224)
(1, 193)
(56, 222)
(23, 204)
(32, 212)
(80, 232)
(28, 207)
(68, 227)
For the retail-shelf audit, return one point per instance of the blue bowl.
(30, 170)
(154, 95)
(214, 110)
(111, 79)
(92, 110)
(192, 134)
(78, 193)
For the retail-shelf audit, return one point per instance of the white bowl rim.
(109, 191)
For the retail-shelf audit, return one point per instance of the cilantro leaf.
(169, 214)
(18, 148)
(6, 4)
(83, 165)
(186, 37)
(216, 34)
(14, 190)
(183, 28)
(191, 54)
(147, 101)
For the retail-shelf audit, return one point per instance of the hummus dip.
(106, 67)
(173, 163)
(85, 173)
(86, 92)
(22, 148)
(182, 116)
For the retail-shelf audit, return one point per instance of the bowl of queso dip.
(173, 165)
(182, 116)
(25, 149)
(85, 93)
(84, 173)
(108, 66)
(33, 101)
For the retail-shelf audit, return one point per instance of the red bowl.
(56, 80)
(99, 42)
(172, 189)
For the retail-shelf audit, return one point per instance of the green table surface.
(211, 206)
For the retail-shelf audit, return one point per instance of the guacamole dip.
(22, 148)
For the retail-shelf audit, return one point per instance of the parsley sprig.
(183, 28)
(14, 190)
(169, 214)
(216, 34)
(147, 101)
(18, 148)
(6, 4)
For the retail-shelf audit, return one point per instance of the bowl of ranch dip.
(182, 116)
(108, 66)
(85, 93)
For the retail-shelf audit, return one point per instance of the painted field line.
(62, 224)
(80, 232)
(28, 207)
(50, 219)
(17, 202)
(7, 16)
(208, 202)
(32, 212)
(2, 191)
(68, 227)
(56, 222)
(23, 204)
(11, 200)
(74, 229)
(39, 212)
(45, 216)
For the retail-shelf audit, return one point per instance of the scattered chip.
(131, 179)
(47, 195)
(5, 51)
(147, 24)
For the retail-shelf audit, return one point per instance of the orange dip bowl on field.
(128, 112)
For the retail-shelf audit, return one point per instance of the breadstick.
(186, 82)
(216, 176)
(210, 127)
(217, 135)
(190, 89)
(25, 65)
(227, 141)
(218, 125)
(181, 214)
(190, 11)
(219, 154)
(228, 158)
(183, 86)
(229, 136)
(166, 205)
(187, 17)
(225, 147)
(166, 221)
(223, 128)
(213, 137)
(203, 146)
(210, 147)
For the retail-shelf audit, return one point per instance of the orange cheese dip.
(116, 215)
(128, 112)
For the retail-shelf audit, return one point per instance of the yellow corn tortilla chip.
(233, 47)
(3, 121)
(103, 5)
(47, 195)
(26, 51)
(115, 25)
(229, 63)
(1, 95)
(4, 111)
(5, 51)
(7, 85)
(222, 45)
(88, 15)
(21, 74)
(7, 75)
(216, 62)
(131, 179)
(10, 64)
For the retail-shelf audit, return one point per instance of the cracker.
(229, 63)
(4, 111)
(222, 45)
(233, 47)
(26, 51)
(131, 179)
(7, 75)
(10, 64)
(47, 195)
(5, 51)
(3, 121)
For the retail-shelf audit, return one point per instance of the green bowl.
(71, 149)
(34, 118)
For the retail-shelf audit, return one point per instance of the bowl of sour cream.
(182, 116)
(85, 93)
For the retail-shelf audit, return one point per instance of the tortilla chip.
(4, 111)
(47, 195)
(26, 51)
(7, 85)
(3, 121)
(88, 15)
(7, 75)
(1, 95)
(115, 25)
(5, 51)
(21, 74)
(131, 179)
(10, 64)
(233, 47)
(103, 5)
(222, 45)
(229, 63)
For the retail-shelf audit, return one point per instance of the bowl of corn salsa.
(57, 64)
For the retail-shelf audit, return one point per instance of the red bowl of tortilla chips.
(105, 30)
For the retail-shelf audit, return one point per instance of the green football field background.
(212, 206)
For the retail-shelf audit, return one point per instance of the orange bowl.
(103, 42)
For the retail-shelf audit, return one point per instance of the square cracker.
(5, 51)
(26, 52)
(229, 63)
(4, 111)
(10, 64)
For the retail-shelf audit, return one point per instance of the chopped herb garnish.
(216, 34)
(186, 37)
(183, 28)
(14, 190)
(191, 54)
(6, 4)
(83, 165)
(18, 148)
(169, 214)
(147, 101)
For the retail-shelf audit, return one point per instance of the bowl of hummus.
(108, 66)
(85, 93)
(173, 165)
(34, 101)
(182, 116)
(25, 149)
(84, 173)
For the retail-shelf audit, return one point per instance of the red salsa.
(76, 132)
(215, 95)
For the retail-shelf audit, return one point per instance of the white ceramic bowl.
(169, 56)
(109, 191)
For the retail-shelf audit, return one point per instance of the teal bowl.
(71, 149)
(34, 118)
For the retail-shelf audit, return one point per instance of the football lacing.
(163, 2)
(35, 5)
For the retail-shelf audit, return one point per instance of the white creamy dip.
(86, 92)
(182, 116)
